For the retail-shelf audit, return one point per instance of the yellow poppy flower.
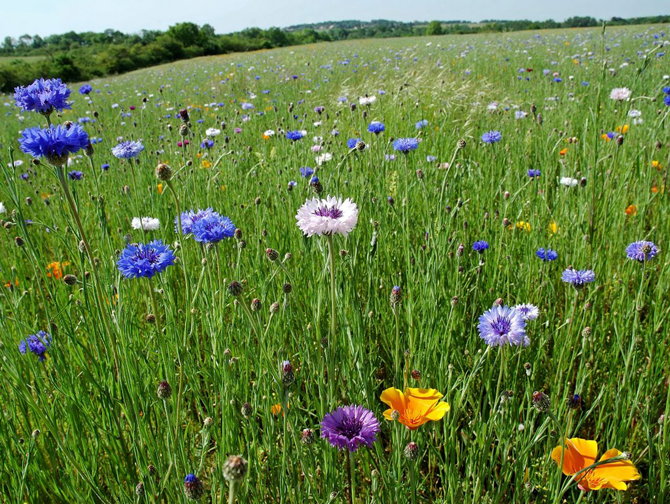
(581, 454)
(415, 407)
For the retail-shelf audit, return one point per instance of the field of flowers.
(408, 270)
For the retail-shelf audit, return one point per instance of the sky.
(47, 17)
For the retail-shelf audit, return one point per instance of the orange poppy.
(581, 454)
(55, 269)
(631, 210)
(415, 407)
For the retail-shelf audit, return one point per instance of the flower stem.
(331, 256)
(352, 471)
(232, 491)
(154, 306)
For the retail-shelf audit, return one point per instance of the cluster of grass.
(85, 425)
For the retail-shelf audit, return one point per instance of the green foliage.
(434, 28)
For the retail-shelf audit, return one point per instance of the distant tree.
(434, 28)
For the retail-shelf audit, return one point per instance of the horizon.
(157, 15)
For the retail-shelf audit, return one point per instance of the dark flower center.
(332, 212)
(501, 326)
(147, 254)
(350, 427)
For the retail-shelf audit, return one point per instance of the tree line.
(82, 56)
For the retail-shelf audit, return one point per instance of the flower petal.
(579, 454)
(438, 411)
(615, 473)
(393, 398)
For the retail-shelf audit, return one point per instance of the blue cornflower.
(376, 127)
(421, 124)
(491, 137)
(294, 135)
(213, 228)
(405, 144)
(578, 278)
(533, 173)
(54, 143)
(546, 255)
(247, 106)
(666, 90)
(641, 251)
(189, 218)
(431, 159)
(320, 109)
(352, 142)
(480, 246)
(207, 144)
(75, 175)
(558, 79)
(193, 487)
(145, 260)
(306, 171)
(666, 100)
(37, 344)
(105, 167)
(85, 89)
(127, 150)
(43, 96)
(502, 325)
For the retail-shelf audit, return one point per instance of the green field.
(82, 421)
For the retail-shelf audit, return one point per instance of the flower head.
(620, 94)
(578, 278)
(415, 407)
(641, 251)
(145, 260)
(127, 150)
(491, 137)
(405, 144)
(480, 246)
(145, 223)
(85, 89)
(212, 228)
(54, 143)
(528, 311)
(578, 454)
(546, 255)
(189, 218)
(350, 427)
(502, 325)
(37, 344)
(294, 135)
(376, 127)
(327, 216)
(43, 96)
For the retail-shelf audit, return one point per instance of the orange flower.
(631, 210)
(206, 164)
(55, 269)
(581, 454)
(276, 409)
(160, 188)
(562, 152)
(656, 164)
(415, 407)
(622, 129)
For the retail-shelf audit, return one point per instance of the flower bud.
(235, 468)
(164, 391)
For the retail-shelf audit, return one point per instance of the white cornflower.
(327, 216)
(269, 133)
(145, 223)
(569, 182)
(634, 113)
(2, 208)
(528, 311)
(367, 100)
(212, 132)
(620, 94)
(323, 158)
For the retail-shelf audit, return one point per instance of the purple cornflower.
(350, 427)
(127, 150)
(207, 144)
(143, 260)
(376, 127)
(37, 344)
(75, 175)
(546, 255)
(641, 251)
(188, 219)
(85, 89)
(480, 246)
(405, 144)
(306, 171)
(294, 135)
(502, 325)
(578, 278)
(534, 173)
(491, 137)
(43, 96)
(213, 228)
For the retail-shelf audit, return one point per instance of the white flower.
(620, 94)
(145, 223)
(528, 311)
(637, 121)
(367, 100)
(2, 208)
(212, 132)
(327, 216)
(323, 158)
(492, 107)
(569, 182)
(634, 113)
(269, 133)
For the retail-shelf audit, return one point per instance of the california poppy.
(581, 454)
(415, 407)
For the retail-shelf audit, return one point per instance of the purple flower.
(578, 278)
(43, 96)
(534, 173)
(405, 144)
(641, 251)
(502, 325)
(55, 142)
(85, 89)
(480, 246)
(491, 137)
(294, 135)
(37, 344)
(306, 171)
(143, 260)
(350, 427)
(546, 255)
(75, 175)
(376, 127)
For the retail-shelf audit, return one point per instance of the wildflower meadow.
(419, 270)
